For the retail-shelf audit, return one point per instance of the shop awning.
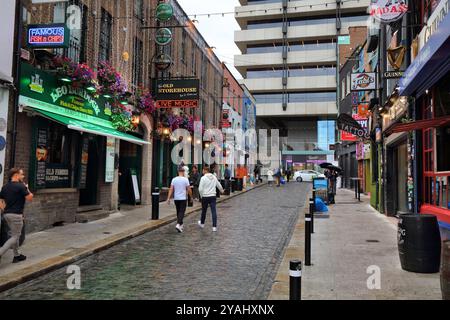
(83, 126)
(419, 124)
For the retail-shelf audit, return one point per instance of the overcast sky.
(217, 30)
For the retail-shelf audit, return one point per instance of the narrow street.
(240, 261)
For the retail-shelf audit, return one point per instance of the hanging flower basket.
(110, 81)
(144, 101)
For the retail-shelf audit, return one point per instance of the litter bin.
(240, 184)
(233, 185)
(419, 243)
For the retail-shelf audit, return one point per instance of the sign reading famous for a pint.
(177, 93)
(363, 81)
(387, 11)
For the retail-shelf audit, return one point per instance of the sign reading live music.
(177, 93)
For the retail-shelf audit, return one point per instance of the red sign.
(177, 103)
(345, 136)
(226, 118)
(363, 110)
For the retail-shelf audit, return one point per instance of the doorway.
(88, 195)
(130, 159)
(401, 183)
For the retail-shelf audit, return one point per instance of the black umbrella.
(334, 168)
(325, 165)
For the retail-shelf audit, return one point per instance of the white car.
(307, 175)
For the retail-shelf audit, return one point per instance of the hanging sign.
(163, 36)
(164, 12)
(348, 124)
(177, 93)
(387, 11)
(54, 35)
(162, 61)
(363, 81)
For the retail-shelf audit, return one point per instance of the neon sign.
(48, 36)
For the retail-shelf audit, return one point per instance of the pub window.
(58, 144)
(105, 36)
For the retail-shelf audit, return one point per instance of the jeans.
(211, 201)
(15, 224)
(181, 209)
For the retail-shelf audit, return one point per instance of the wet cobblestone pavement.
(239, 261)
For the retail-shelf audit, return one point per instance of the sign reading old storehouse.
(177, 93)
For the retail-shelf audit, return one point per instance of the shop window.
(105, 36)
(442, 148)
(58, 144)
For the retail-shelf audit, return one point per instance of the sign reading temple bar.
(178, 93)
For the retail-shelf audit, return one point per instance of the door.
(88, 195)
(130, 157)
(402, 179)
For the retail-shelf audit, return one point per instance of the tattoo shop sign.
(348, 124)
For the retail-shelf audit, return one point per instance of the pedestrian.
(186, 169)
(207, 189)
(278, 176)
(180, 188)
(270, 177)
(227, 177)
(195, 181)
(288, 175)
(15, 193)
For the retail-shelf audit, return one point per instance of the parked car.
(307, 175)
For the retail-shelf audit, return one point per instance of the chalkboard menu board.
(84, 158)
(41, 157)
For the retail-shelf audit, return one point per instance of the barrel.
(419, 243)
(445, 270)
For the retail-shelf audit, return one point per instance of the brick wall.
(358, 36)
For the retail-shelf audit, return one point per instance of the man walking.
(180, 188)
(195, 181)
(207, 189)
(15, 193)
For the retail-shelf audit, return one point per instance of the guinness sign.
(393, 74)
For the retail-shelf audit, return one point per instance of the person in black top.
(15, 193)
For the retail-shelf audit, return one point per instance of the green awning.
(90, 128)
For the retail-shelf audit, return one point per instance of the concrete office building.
(288, 62)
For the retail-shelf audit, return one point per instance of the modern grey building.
(288, 62)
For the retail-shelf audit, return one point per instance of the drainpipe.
(18, 37)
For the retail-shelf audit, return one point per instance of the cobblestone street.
(237, 262)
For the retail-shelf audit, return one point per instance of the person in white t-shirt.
(180, 188)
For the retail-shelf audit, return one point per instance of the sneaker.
(19, 258)
(214, 229)
(201, 225)
(179, 228)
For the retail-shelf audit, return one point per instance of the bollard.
(155, 204)
(359, 192)
(311, 211)
(314, 199)
(307, 239)
(295, 280)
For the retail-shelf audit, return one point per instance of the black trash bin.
(419, 243)
(233, 185)
(240, 184)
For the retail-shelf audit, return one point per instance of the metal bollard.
(359, 192)
(307, 239)
(155, 204)
(295, 280)
(311, 211)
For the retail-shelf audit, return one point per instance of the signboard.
(84, 158)
(363, 110)
(226, 118)
(349, 124)
(164, 12)
(109, 164)
(433, 22)
(345, 136)
(54, 35)
(363, 81)
(41, 157)
(388, 11)
(162, 61)
(57, 175)
(177, 93)
(344, 40)
(393, 74)
(320, 184)
(134, 181)
(43, 91)
(163, 36)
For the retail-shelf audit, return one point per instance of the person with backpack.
(278, 176)
(207, 190)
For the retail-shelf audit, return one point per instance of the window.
(105, 36)
(343, 87)
(137, 62)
